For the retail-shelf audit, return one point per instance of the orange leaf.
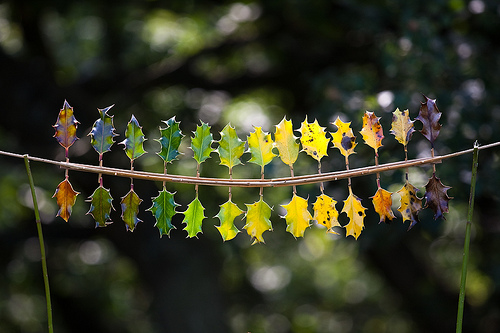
(372, 131)
(66, 126)
(382, 202)
(65, 197)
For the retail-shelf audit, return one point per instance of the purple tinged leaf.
(103, 132)
(130, 208)
(429, 115)
(65, 126)
(436, 197)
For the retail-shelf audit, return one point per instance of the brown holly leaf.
(429, 116)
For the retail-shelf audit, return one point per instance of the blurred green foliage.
(247, 63)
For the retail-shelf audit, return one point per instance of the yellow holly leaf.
(325, 213)
(372, 131)
(410, 204)
(258, 221)
(313, 139)
(382, 202)
(227, 213)
(297, 216)
(402, 126)
(260, 145)
(344, 139)
(356, 213)
(286, 142)
(66, 198)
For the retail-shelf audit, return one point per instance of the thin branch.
(276, 182)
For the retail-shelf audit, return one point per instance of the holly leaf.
(297, 216)
(193, 217)
(130, 208)
(382, 202)
(325, 213)
(313, 139)
(134, 139)
(163, 209)
(286, 142)
(201, 143)
(372, 131)
(429, 116)
(103, 132)
(356, 214)
(257, 220)
(402, 126)
(100, 206)
(65, 126)
(230, 147)
(344, 138)
(227, 213)
(260, 146)
(436, 197)
(65, 198)
(410, 205)
(170, 140)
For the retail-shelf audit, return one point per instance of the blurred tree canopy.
(247, 63)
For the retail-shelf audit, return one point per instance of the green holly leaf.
(227, 213)
(134, 139)
(170, 140)
(100, 206)
(130, 208)
(230, 147)
(193, 217)
(163, 210)
(103, 132)
(201, 143)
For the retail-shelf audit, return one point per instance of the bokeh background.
(247, 63)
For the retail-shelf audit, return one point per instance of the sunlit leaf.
(65, 198)
(163, 209)
(65, 126)
(313, 139)
(436, 197)
(170, 140)
(227, 213)
(372, 131)
(134, 139)
(258, 220)
(130, 208)
(356, 214)
(230, 147)
(410, 205)
(193, 217)
(382, 202)
(100, 206)
(260, 146)
(402, 126)
(429, 115)
(201, 143)
(344, 138)
(286, 142)
(297, 216)
(325, 213)
(103, 132)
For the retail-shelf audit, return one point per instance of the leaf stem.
(468, 225)
(42, 245)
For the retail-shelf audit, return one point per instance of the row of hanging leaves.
(230, 148)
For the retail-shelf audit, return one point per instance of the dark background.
(248, 63)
